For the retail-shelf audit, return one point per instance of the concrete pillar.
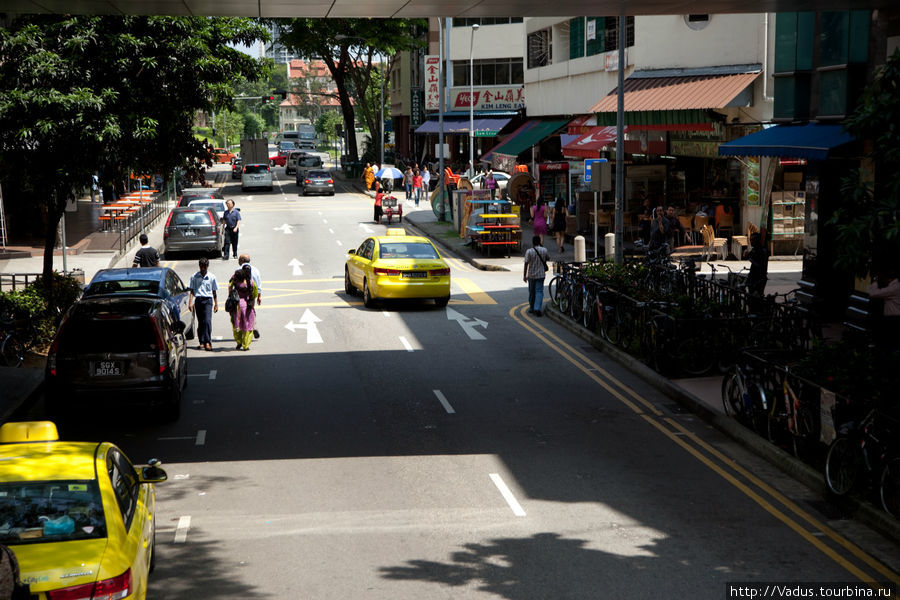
(609, 246)
(580, 255)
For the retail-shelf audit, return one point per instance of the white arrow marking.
(285, 228)
(366, 228)
(308, 322)
(296, 264)
(467, 325)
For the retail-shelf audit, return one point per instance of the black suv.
(118, 349)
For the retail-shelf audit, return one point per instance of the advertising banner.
(493, 98)
(432, 82)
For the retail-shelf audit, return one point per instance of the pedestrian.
(204, 296)
(11, 586)
(417, 185)
(232, 221)
(886, 287)
(539, 219)
(426, 179)
(558, 217)
(759, 266)
(95, 187)
(369, 176)
(244, 261)
(147, 256)
(378, 210)
(243, 319)
(408, 182)
(490, 183)
(535, 272)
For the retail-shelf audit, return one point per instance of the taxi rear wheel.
(153, 548)
(442, 302)
(368, 300)
(348, 285)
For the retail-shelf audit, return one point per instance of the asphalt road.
(411, 452)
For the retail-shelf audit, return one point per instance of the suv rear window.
(312, 161)
(32, 512)
(108, 335)
(124, 286)
(193, 218)
(256, 169)
(324, 174)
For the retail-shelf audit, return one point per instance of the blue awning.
(484, 126)
(812, 141)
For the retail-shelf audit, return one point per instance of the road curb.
(852, 506)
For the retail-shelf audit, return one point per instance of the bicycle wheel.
(610, 322)
(553, 289)
(694, 356)
(564, 296)
(576, 307)
(842, 466)
(805, 431)
(889, 488)
(593, 313)
(733, 395)
(12, 351)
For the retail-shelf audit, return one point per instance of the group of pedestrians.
(244, 295)
(416, 182)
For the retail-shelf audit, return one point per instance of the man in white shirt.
(535, 271)
(203, 287)
(244, 262)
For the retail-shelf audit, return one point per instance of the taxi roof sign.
(28, 431)
(396, 231)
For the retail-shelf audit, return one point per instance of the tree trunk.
(349, 118)
(54, 215)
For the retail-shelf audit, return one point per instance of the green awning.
(659, 119)
(525, 137)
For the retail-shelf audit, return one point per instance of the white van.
(256, 176)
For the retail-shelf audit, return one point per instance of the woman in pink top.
(539, 217)
(417, 185)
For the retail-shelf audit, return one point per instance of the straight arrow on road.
(308, 322)
(467, 324)
(285, 228)
(296, 264)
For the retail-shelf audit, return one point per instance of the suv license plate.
(107, 368)
(415, 274)
(190, 232)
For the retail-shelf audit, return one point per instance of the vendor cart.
(390, 207)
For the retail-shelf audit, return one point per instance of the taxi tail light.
(108, 589)
(162, 349)
(388, 272)
(166, 230)
(439, 272)
(331, 181)
(306, 181)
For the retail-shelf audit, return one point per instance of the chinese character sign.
(432, 82)
(489, 98)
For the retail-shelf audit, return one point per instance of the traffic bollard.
(579, 249)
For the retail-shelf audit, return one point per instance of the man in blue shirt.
(232, 221)
(203, 295)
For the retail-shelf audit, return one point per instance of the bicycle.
(16, 338)
(866, 450)
(743, 398)
(560, 287)
(790, 417)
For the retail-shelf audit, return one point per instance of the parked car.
(194, 228)
(499, 176)
(397, 266)
(236, 168)
(222, 155)
(280, 159)
(318, 182)
(256, 176)
(217, 204)
(290, 167)
(79, 516)
(152, 282)
(114, 350)
(310, 161)
(188, 195)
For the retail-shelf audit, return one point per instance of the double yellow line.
(771, 500)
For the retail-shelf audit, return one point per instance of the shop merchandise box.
(793, 181)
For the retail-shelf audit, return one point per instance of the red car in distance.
(280, 159)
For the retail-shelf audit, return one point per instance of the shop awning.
(524, 137)
(648, 91)
(811, 141)
(590, 144)
(484, 126)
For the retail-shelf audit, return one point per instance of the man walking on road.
(147, 256)
(232, 221)
(203, 295)
(535, 272)
(244, 261)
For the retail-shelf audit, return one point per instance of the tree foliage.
(868, 220)
(81, 94)
(349, 48)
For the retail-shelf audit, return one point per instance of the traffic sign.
(587, 167)
(484, 133)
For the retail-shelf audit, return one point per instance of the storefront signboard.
(695, 148)
(416, 113)
(498, 97)
(753, 182)
(503, 162)
(554, 166)
(432, 82)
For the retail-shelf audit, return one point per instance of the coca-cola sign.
(499, 97)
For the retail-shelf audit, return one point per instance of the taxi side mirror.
(351, 251)
(152, 472)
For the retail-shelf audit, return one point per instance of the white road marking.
(181, 530)
(443, 401)
(507, 495)
(325, 221)
(201, 438)
(212, 375)
(218, 338)
(177, 437)
(181, 476)
(339, 243)
(406, 344)
(331, 231)
(199, 401)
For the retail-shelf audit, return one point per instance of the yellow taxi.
(79, 516)
(396, 266)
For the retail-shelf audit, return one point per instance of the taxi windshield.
(50, 511)
(408, 250)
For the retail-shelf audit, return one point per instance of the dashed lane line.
(507, 495)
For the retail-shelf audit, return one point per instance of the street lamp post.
(472, 102)
(382, 111)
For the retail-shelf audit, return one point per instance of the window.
(589, 36)
(486, 21)
(125, 484)
(540, 50)
(490, 71)
(34, 512)
(576, 37)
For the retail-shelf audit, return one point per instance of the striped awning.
(691, 92)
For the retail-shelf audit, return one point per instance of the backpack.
(11, 587)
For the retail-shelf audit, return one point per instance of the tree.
(868, 220)
(348, 48)
(114, 94)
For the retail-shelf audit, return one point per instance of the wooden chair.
(713, 244)
(740, 243)
(725, 222)
(700, 221)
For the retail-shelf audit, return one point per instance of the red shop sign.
(554, 166)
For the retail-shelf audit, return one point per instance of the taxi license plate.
(107, 368)
(414, 274)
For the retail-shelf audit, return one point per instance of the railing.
(18, 281)
(133, 227)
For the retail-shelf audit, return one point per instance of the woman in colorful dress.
(539, 219)
(243, 319)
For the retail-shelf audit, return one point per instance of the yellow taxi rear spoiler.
(28, 431)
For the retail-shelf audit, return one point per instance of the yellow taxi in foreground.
(396, 266)
(78, 515)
